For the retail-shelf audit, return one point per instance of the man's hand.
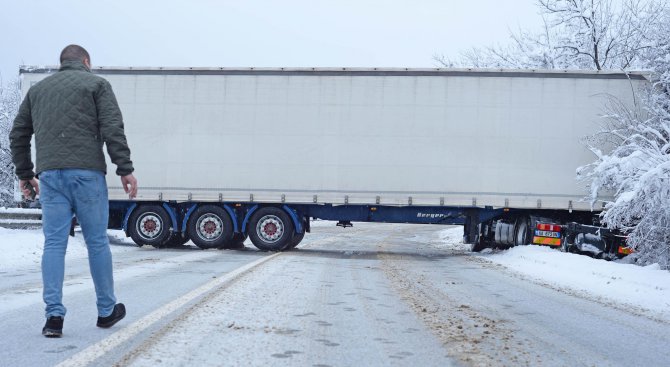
(25, 188)
(129, 184)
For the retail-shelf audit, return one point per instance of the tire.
(210, 226)
(295, 240)
(522, 232)
(149, 225)
(271, 229)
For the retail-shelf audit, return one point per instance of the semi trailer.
(222, 154)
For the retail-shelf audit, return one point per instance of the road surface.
(374, 295)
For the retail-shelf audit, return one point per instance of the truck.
(225, 154)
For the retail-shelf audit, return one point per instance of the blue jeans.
(64, 193)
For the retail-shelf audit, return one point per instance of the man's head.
(75, 53)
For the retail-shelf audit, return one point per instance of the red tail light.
(549, 227)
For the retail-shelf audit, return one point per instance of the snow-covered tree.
(10, 98)
(637, 169)
(577, 34)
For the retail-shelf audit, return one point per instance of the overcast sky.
(362, 33)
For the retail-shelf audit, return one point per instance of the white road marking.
(95, 351)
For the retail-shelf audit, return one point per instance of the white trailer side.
(362, 136)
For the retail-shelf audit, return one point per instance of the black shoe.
(54, 327)
(118, 313)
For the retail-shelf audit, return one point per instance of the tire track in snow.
(466, 333)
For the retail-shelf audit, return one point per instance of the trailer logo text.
(430, 215)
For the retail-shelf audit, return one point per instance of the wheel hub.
(150, 226)
(270, 228)
(210, 227)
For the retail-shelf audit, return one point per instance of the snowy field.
(642, 289)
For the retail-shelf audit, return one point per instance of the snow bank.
(646, 288)
(453, 238)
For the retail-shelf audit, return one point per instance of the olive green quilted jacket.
(72, 113)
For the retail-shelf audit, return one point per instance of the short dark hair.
(74, 52)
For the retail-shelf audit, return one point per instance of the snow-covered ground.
(22, 248)
(598, 287)
(641, 288)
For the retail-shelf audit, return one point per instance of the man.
(72, 113)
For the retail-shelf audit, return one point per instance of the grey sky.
(361, 33)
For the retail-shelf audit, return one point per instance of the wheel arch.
(187, 216)
(129, 211)
(173, 216)
(248, 216)
(297, 223)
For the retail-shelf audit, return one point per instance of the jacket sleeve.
(111, 128)
(19, 141)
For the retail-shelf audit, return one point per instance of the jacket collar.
(73, 65)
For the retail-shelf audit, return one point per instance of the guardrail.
(16, 218)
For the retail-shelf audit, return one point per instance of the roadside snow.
(20, 210)
(22, 248)
(453, 238)
(647, 288)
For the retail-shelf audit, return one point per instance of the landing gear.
(478, 243)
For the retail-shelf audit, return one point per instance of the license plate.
(549, 234)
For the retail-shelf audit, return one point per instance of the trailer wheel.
(295, 240)
(149, 225)
(271, 229)
(522, 235)
(209, 227)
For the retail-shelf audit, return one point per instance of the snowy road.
(370, 295)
